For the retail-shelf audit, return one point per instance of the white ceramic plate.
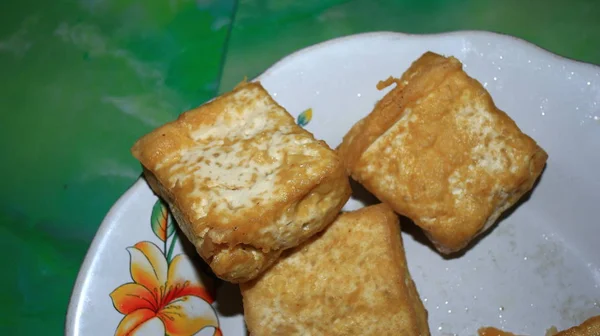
(539, 267)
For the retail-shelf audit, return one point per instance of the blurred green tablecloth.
(82, 79)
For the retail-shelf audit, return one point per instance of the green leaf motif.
(162, 226)
(304, 117)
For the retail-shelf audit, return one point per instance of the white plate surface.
(539, 267)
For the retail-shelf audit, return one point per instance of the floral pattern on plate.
(305, 117)
(167, 295)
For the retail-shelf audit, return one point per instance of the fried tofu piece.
(243, 181)
(590, 327)
(491, 331)
(437, 150)
(351, 279)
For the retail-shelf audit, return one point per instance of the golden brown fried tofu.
(437, 150)
(243, 181)
(590, 327)
(491, 331)
(351, 279)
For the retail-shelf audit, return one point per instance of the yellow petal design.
(130, 297)
(148, 266)
(152, 327)
(187, 315)
(131, 322)
(209, 331)
(184, 279)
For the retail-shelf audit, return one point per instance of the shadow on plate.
(229, 299)
(362, 195)
(227, 296)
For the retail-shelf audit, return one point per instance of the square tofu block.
(243, 181)
(437, 150)
(351, 279)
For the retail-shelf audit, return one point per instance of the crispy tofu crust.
(243, 181)
(437, 150)
(590, 327)
(351, 279)
(491, 331)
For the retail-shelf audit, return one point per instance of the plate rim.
(457, 33)
(73, 316)
(75, 302)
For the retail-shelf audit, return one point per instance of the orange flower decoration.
(164, 299)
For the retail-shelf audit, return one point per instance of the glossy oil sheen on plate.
(538, 267)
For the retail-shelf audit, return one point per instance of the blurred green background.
(82, 79)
